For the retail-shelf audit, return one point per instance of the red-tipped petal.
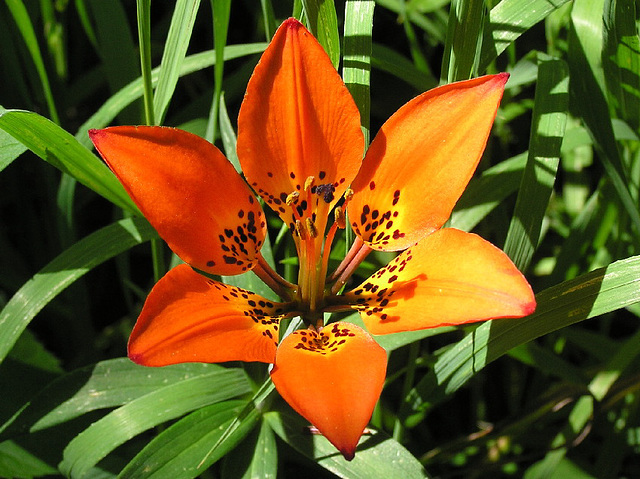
(189, 318)
(333, 379)
(448, 278)
(189, 192)
(298, 120)
(421, 161)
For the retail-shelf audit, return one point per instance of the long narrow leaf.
(507, 21)
(547, 130)
(157, 407)
(175, 49)
(64, 270)
(356, 66)
(587, 296)
(62, 150)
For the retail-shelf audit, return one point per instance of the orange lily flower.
(301, 149)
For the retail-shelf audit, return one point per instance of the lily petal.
(333, 378)
(448, 278)
(189, 192)
(298, 120)
(189, 318)
(420, 162)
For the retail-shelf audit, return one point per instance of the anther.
(311, 227)
(292, 198)
(300, 230)
(348, 194)
(308, 183)
(340, 219)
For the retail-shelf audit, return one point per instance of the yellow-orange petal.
(189, 192)
(420, 162)
(448, 278)
(189, 318)
(298, 120)
(333, 378)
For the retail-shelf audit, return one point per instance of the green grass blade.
(117, 50)
(587, 296)
(107, 384)
(134, 90)
(547, 131)
(377, 455)
(464, 36)
(10, 149)
(487, 191)
(621, 59)
(62, 150)
(356, 65)
(177, 452)
(221, 13)
(21, 17)
(159, 406)
(175, 49)
(144, 39)
(261, 447)
(388, 60)
(507, 21)
(323, 23)
(585, 49)
(64, 270)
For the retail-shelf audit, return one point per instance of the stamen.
(301, 230)
(340, 218)
(308, 183)
(311, 228)
(292, 198)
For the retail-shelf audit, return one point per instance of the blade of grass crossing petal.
(56, 146)
(261, 448)
(587, 296)
(144, 39)
(585, 49)
(323, 24)
(103, 436)
(356, 63)
(175, 49)
(134, 90)
(621, 59)
(64, 270)
(221, 12)
(176, 451)
(507, 21)
(378, 455)
(486, 192)
(464, 36)
(547, 131)
(107, 384)
(21, 17)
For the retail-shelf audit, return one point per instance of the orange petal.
(298, 120)
(421, 161)
(189, 192)
(333, 379)
(189, 318)
(449, 278)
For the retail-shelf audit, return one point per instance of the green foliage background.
(554, 395)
